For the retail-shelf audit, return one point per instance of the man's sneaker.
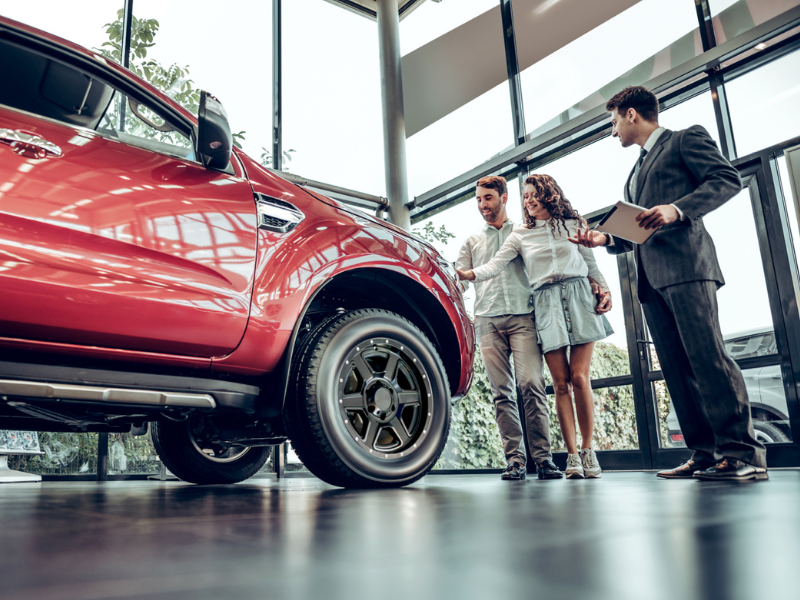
(514, 471)
(591, 468)
(574, 468)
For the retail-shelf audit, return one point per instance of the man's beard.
(490, 216)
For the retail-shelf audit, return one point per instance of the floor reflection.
(627, 535)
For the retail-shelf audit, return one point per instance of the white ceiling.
(368, 8)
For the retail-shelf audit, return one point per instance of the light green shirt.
(507, 294)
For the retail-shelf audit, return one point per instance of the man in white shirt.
(504, 326)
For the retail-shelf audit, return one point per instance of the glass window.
(64, 454)
(225, 52)
(85, 26)
(291, 462)
(746, 326)
(332, 119)
(767, 402)
(770, 90)
(478, 131)
(474, 440)
(791, 203)
(132, 455)
(614, 419)
(648, 39)
(734, 17)
(139, 125)
(698, 110)
(474, 118)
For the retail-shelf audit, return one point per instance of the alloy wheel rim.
(384, 398)
(764, 438)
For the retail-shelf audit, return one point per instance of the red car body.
(115, 253)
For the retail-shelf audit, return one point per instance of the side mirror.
(214, 139)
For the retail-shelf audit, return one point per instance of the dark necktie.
(635, 176)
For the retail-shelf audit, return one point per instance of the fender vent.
(277, 215)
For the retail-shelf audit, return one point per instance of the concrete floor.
(626, 536)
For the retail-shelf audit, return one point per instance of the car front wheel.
(371, 403)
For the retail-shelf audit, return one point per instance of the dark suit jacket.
(684, 168)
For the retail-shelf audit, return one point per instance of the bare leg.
(580, 358)
(559, 369)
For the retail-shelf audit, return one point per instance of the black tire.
(769, 433)
(370, 403)
(187, 460)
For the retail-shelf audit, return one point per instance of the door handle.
(29, 144)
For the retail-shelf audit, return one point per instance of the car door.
(111, 233)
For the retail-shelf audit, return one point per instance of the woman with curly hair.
(568, 309)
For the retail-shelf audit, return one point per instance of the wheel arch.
(765, 412)
(388, 290)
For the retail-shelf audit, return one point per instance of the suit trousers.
(706, 385)
(499, 339)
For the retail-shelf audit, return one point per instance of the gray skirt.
(565, 315)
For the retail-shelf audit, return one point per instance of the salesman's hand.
(658, 216)
(604, 303)
(589, 238)
(468, 275)
(603, 297)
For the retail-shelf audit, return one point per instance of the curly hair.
(550, 195)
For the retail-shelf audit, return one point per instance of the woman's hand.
(589, 238)
(468, 275)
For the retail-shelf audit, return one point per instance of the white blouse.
(549, 257)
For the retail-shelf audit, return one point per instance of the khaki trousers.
(499, 339)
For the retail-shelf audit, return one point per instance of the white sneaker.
(574, 468)
(591, 468)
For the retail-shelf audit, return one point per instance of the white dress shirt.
(549, 256)
(509, 293)
(648, 145)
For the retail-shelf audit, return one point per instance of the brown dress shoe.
(685, 471)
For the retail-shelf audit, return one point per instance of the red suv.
(151, 273)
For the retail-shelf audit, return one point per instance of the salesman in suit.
(680, 177)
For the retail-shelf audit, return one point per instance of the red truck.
(152, 275)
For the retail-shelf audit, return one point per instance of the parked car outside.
(155, 276)
(764, 388)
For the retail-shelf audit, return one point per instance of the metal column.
(512, 66)
(514, 83)
(719, 96)
(394, 124)
(125, 50)
(277, 87)
(102, 456)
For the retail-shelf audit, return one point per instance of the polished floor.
(626, 536)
